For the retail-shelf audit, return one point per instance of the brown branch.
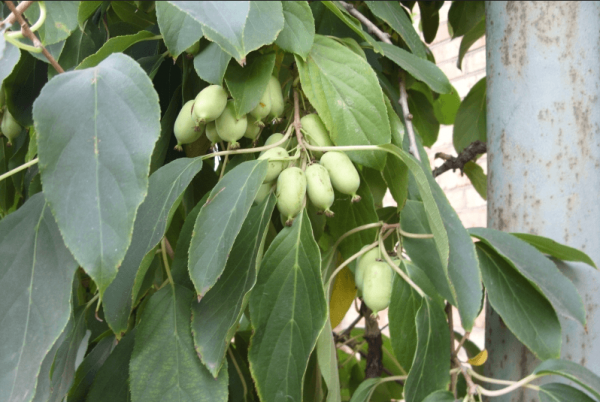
(8, 21)
(468, 154)
(31, 36)
(374, 366)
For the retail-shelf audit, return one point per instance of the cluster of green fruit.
(373, 277)
(212, 113)
(9, 126)
(328, 171)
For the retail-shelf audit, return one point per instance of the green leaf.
(404, 304)
(539, 270)
(555, 249)
(43, 385)
(85, 10)
(430, 18)
(352, 23)
(478, 178)
(298, 31)
(328, 364)
(133, 15)
(9, 57)
(211, 63)
(464, 15)
(288, 311)
(36, 272)
(238, 27)
(557, 392)
(440, 396)
(365, 390)
(446, 106)
(478, 31)
(220, 221)
(345, 91)
(523, 309)
(78, 46)
(179, 30)
(63, 368)
(114, 45)
(112, 380)
(84, 376)
(248, 84)
(164, 351)
(395, 15)
(572, 371)
(424, 119)
(349, 215)
(165, 188)
(470, 121)
(215, 318)
(166, 131)
(431, 368)
(61, 20)
(421, 69)
(96, 131)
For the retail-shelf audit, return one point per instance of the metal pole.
(543, 128)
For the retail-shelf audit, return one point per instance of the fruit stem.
(252, 150)
(19, 168)
(163, 247)
(522, 383)
(396, 268)
(225, 162)
(415, 235)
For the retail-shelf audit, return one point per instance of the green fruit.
(291, 188)
(316, 133)
(253, 129)
(342, 173)
(275, 167)
(377, 286)
(211, 133)
(230, 128)
(2, 98)
(319, 188)
(210, 103)
(277, 102)
(263, 108)
(9, 127)
(363, 261)
(263, 192)
(186, 130)
(273, 138)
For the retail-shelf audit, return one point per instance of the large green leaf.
(523, 309)
(328, 364)
(421, 69)
(470, 37)
(86, 372)
(86, 9)
(78, 46)
(539, 270)
(9, 57)
(395, 15)
(43, 385)
(572, 371)
(430, 18)
(440, 396)
(211, 63)
(345, 91)
(247, 84)
(424, 119)
(96, 131)
(352, 23)
(556, 392)
(215, 318)
(112, 380)
(404, 304)
(164, 365)
(464, 15)
(61, 20)
(165, 188)
(365, 390)
(238, 26)
(288, 311)
(470, 121)
(555, 249)
(298, 31)
(36, 272)
(431, 368)
(220, 221)
(114, 45)
(446, 106)
(178, 29)
(477, 177)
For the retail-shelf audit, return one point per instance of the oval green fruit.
(263, 108)
(277, 102)
(186, 130)
(320, 191)
(291, 188)
(263, 192)
(9, 127)
(211, 133)
(210, 103)
(377, 286)
(342, 173)
(363, 262)
(273, 138)
(316, 133)
(253, 129)
(275, 167)
(230, 128)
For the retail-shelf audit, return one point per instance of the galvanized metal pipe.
(543, 128)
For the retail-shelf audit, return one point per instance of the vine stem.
(297, 123)
(480, 377)
(510, 388)
(252, 150)
(239, 371)
(18, 169)
(397, 269)
(415, 235)
(163, 247)
(224, 162)
(8, 21)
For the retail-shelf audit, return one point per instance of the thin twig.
(31, 36)
(453, 377)
(471, 386)
(371, 27)
(351, 326)
(297, 124)
(468, 154)
(19, 168)
(8, 21)
(462, 341)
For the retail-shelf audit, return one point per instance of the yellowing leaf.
(479, 359)
(344, 293)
